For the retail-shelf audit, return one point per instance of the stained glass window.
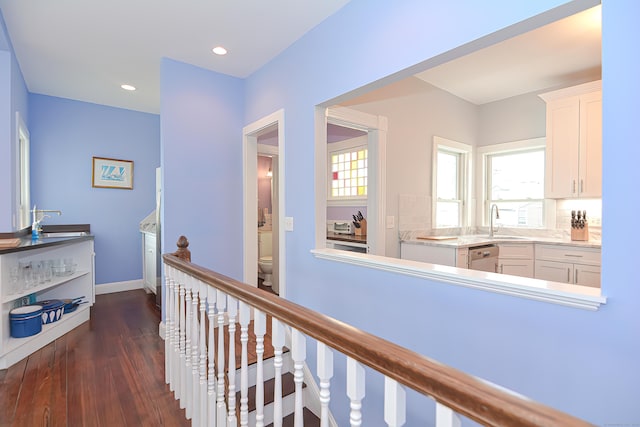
(349, 173)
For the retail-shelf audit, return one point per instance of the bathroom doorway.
(264, 145)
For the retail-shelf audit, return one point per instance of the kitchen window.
(348, 170)
(451, 171)
(514, 181)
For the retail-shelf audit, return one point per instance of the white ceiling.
(84, 50)
(559, 54)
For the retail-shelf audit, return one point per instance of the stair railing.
(195, 360)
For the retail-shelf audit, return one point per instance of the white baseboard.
(109, 288)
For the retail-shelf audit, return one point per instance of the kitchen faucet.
(35, 226)
(491, 218)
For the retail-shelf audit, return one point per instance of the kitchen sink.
(498, 237)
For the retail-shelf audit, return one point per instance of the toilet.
(265, 259)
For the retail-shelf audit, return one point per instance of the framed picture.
(112, 173)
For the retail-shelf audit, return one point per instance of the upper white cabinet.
(574, 142)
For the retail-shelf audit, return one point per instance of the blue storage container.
(52, 310)
(25, 321)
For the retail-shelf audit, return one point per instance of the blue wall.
(65, 135)
(13, 98)
(201, 122)
(581, 362)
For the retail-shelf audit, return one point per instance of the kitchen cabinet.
(80, 283)
(443, 255)
(574, 142)
(516, 259)
(558, 263)
(149, 261)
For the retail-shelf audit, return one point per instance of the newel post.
(183, 252)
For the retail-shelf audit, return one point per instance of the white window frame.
(352, 144)
(464, 177)
(482, 178)
(23, 173)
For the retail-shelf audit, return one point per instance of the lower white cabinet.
(76, 284)
(432, 254)
(149, 261)
(516, 259)
(578, 266)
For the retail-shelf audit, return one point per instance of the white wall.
(416, 112)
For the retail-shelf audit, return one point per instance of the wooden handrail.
(465, 394)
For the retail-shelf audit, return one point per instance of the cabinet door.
(587, 275)
(427, 253)
(554, 271)
(561, 155)
(515, 267)
(150, 262)
(590, 151)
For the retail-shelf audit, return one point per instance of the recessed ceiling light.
(128, 87)
(219, 50)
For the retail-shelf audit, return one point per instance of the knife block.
(362, 231)
(580, 234)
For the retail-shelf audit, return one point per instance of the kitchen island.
(15, 290)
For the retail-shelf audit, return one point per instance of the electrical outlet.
(288, 223)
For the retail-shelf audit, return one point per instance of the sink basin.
(65, 234)
(499, 237)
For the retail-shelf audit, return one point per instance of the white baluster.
(245, 317)
(445, 417)
(355, 390)
(395, 403)
(175, 365)
(232, 311)
(211, 374)
(325, 373)
(259, 328)
(195, 359)
(277, 339)
(221, 304)
(187, 396)
(299, 355)
(168, 326)
(203, 354)
(183, 337)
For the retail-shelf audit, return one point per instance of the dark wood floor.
(107, 372)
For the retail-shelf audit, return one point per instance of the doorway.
(264, 137)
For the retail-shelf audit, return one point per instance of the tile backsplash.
(414, 215)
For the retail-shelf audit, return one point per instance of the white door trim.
(250, 135)
(376, 128)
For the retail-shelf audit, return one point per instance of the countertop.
(346, 237)
(27, 244)
(475, 240)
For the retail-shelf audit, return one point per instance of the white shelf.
(16, 349)
(55, 281)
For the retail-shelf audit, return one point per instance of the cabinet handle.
(573, 186)
(581, 185)
(568, 273)
(575, 278)
(501, 268)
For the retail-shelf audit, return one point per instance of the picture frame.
(112, 173)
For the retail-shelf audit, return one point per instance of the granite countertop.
(26, 243)
(346, 237)
(466, 241)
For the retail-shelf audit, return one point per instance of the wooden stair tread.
(309, 419)
(288, 387)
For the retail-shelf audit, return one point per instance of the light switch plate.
(288, 223)
(391, 221)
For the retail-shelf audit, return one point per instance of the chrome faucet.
(491, 218)
(35, 226)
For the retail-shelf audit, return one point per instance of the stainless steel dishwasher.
(483, 258)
